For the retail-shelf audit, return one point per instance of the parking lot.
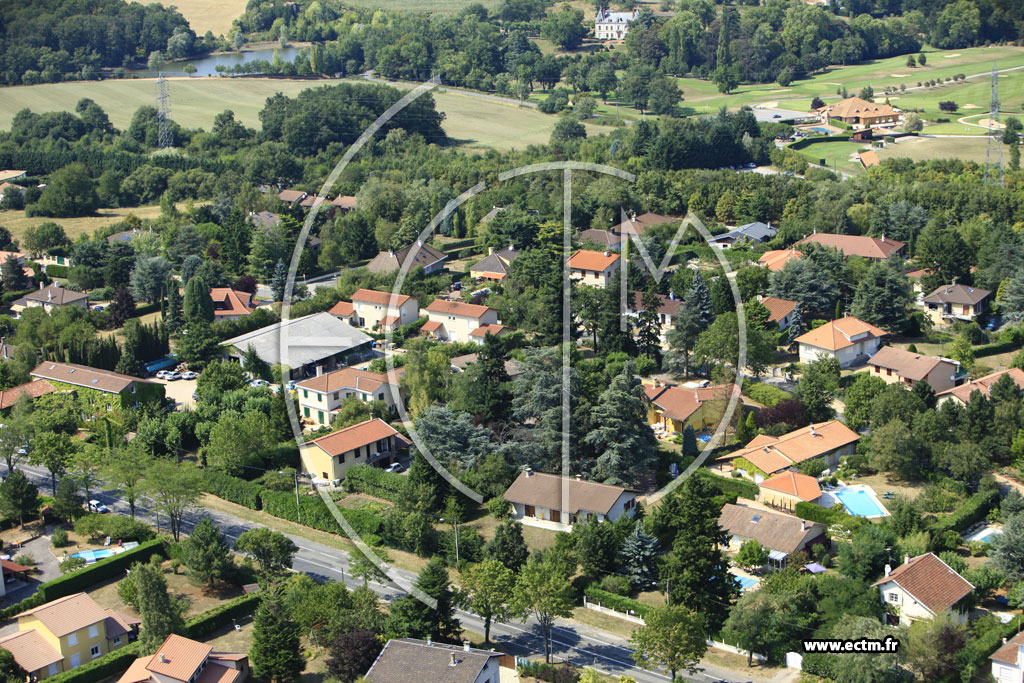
(180, 391)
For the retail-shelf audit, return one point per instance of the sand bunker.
(898, 75)
(969, 106)
(766, 105)
(991, 123)
(951, 56)
(782, 90)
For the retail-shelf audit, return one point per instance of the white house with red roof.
(373, 442)
(183, 660)
(594, 268)
(924, 587)
(379, 311)
(231, 304)
(321, 397)
(1008, 661)
(848, 340)
(457, 321)
(782, 312)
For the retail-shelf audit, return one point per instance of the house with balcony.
(766, 455)
(321, 397)
(456, 321)
(380, 311)
(923, 587)
(848, 340)
(66, 633)
(983, 385)
(594, 268)
(956, 302)
(553, 502)
(896, 366)
(183, 660)
(373, 442)
(496, 266)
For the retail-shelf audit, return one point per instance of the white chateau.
(613, 25)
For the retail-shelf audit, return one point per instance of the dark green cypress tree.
(174, 318)
(277, 285)
(639, 558)
(275, 652)
(689, 441)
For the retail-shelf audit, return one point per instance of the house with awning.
(781, 534)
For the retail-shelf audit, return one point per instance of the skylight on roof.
(756, 519)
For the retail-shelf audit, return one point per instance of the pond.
(207, 66)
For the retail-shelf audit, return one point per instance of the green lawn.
(836, 154)
(473, 122)
(925, 149)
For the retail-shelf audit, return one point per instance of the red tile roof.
(931, 582)
(908, 364)
(1007, 654)
(802, 486)
(776, 259)
(485, 330)
(445, 307)
(33, 389)
(592, 260)
(778, 308)
(838, 334)
(856, 245)
(227, 301)
(346, 378)
(431, 326)
(179, 657)
(342, 309)
(679, 403)
(771, 454)
(31, 651)
(983, 384)
(356, 436)
(372, 296)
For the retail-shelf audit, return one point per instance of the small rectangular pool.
(93, 555)
(746, 582)
(859, 503)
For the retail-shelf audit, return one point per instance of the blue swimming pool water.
(859, 504)
(746, 582)
(987, 538)
(704, 438)
(826, 131)
(93, 555)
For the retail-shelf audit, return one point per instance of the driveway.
(180, 391)
(47, 568)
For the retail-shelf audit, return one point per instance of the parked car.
(189, 374)
(395, 467)
(259, 383)
(172, 375)
(97, 308)
(161, 374)
(96, 506)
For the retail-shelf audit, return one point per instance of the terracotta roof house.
(344, 202)
(771, 454)
(859, 112)
(49, 298)
(751, 233)
(670, 408)
(291, 196)
(1008, 661)
(782, 312)
(962, 394)
(478, 334)
(63, 634)
(380, 311)
(314, 343)
(669, 307)
(553, 502)
(637, 225)
(407, 660)
(32, 389)
(956, 302)
(781, 534)
(868, 158)
(423, 255)
(310, 200)
(776, 259)
(320, 397)
(873, 248)
(182, 660)
(593, 268)
(495, 266)
(456, 321)
(231, 304)
(848, 340)
(373, 442)
(345, 311)
(922, 588)
(99, 387)
(906, 367)
(786, 489)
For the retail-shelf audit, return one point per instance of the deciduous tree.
(672, 637)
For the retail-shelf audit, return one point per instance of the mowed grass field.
(17, 223)
(473, 122)
(925, 149)
(209, 15)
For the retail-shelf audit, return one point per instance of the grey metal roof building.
(314, 340)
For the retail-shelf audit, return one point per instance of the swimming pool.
(746, 582)
(826, 131)
(985, 535)
(859, 503)
(93, 555)
(704, 438)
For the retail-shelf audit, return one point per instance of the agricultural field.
(17, 222)
(925, 149)
(432, 6)
(475, 123)
(209, 15)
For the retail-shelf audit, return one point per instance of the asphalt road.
(575, 642)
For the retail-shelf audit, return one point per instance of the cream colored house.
(896, 366)
(922, 588)
(373, 442)
(455, 321)
(766, 455)
(956, 302)
(183, 660)
(49, 298)
(962, 394)
(65, 633)
(552, 502)
(610, 25)
(321, 397)
(848, 340)
(384, 310)
(670, 408)
(594, 268)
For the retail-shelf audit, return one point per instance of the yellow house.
(373, 442)
(66, 633)
(671, 407)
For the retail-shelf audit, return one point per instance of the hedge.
(239, 491)
(765, 394)
(805, 142)
(376, 482)
(974, 510)
(732, 487)
(54, 270)
(616, 602)
(213, 619)
(993, 349)
(316, 515)
(977, 650)
(109, 665)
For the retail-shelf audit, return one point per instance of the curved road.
(575, 642)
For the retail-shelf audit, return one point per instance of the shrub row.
(616, 602)
(314, 513)
(737, 487)
(54, 270)
(976, 652)
(971, 512)
(238, 491)
(212, 619)
(376, 482)
(450, 246)
(996, 348)
(805, 142)
(765, 394)
(111, 664)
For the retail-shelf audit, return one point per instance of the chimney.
(803, 525)
(40, 286)
(906, 559)
(419, 243)
(319, 370)
(812, 431)
(490, 250)
(390, 253)
(579, 477)
(49, 295)
(888, 570)
(529, 471)
(607, 253)
(163, 659)
(451, 661)
(883, 238)
(671, 295)
(465, 646)
(430, 641)
(769, 225)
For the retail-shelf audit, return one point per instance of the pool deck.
(987, 530)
